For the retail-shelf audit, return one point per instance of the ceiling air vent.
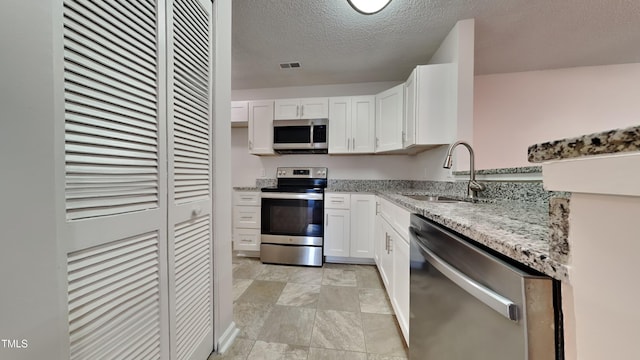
(290, 65)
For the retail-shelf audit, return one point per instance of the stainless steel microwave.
(300, 136)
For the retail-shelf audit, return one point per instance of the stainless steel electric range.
(292, 225)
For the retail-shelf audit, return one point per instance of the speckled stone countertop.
(513, 228)
(513, 170)
(608, 142)
(245, 188)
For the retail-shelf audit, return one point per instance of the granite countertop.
(516, 229)
(245, 188)
(607, 142)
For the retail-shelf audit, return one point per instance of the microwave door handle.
(497, 302)
(311, 135)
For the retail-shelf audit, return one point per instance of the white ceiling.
(337, 45)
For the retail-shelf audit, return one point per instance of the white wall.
(247, 168)
(224, 326)
(514, 111)
(30, 301)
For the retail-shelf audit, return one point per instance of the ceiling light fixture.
(368, 7)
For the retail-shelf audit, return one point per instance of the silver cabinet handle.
(354, 143)
(390, 249)
(326, 222)
(497, 302)
(386, 242)
(377, 208)
(349, 144)
(297, 111)
(301, 110)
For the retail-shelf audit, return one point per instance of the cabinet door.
(339, 125)
(336, 232)
(386, 259)
(435, 105)
(190, 34)
(363, 124)
(409, 123)
(287, 109)
(261, 127)
(314, 108)
(363, 212)
(400, 282)
(378, 244)
(239, 113)
(389, 118)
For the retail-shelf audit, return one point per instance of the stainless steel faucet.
(474, 186)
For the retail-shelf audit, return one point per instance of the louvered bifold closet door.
(189, 70)
(115, 179)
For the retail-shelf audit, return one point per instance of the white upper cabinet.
(352, 125)
(308, 108)
(239, 113)
(430, 117)
(261, 127)
(389, 119)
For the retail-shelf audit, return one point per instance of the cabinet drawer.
(246, 239)
(397, 216)
(246, 198)
(247, 217)
(337, 201)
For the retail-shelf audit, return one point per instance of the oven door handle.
(291, 196)
(497, 302)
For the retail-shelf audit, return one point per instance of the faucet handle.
(476, 185)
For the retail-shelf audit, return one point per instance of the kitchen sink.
(433, 198)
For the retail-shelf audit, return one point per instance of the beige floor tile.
(341, 298)
(288, 325)
(274, 351)
(382, 335)
(339, 330)
(374, 301)
(248, 270)
(368, 278)
(299, 295)
(275, 273)
(262, 292)
(309, 276)
(239, 286)
(330, 354)
(348, 267)
(250, 317)
(339, 277)
(239, 350)
(371, 356)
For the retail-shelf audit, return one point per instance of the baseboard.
(348, 260)
(227, 338)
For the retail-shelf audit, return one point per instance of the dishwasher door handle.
(497, 302)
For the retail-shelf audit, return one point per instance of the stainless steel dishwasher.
(467, 304)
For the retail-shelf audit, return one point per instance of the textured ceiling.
(337, 45)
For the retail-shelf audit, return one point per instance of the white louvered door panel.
(115, 179)
(189, 75)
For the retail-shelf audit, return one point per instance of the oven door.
(292, 218)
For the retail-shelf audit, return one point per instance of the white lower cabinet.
(246, 221)
(348, 228)
(392, 258)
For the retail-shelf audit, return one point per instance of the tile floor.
(334, 312)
